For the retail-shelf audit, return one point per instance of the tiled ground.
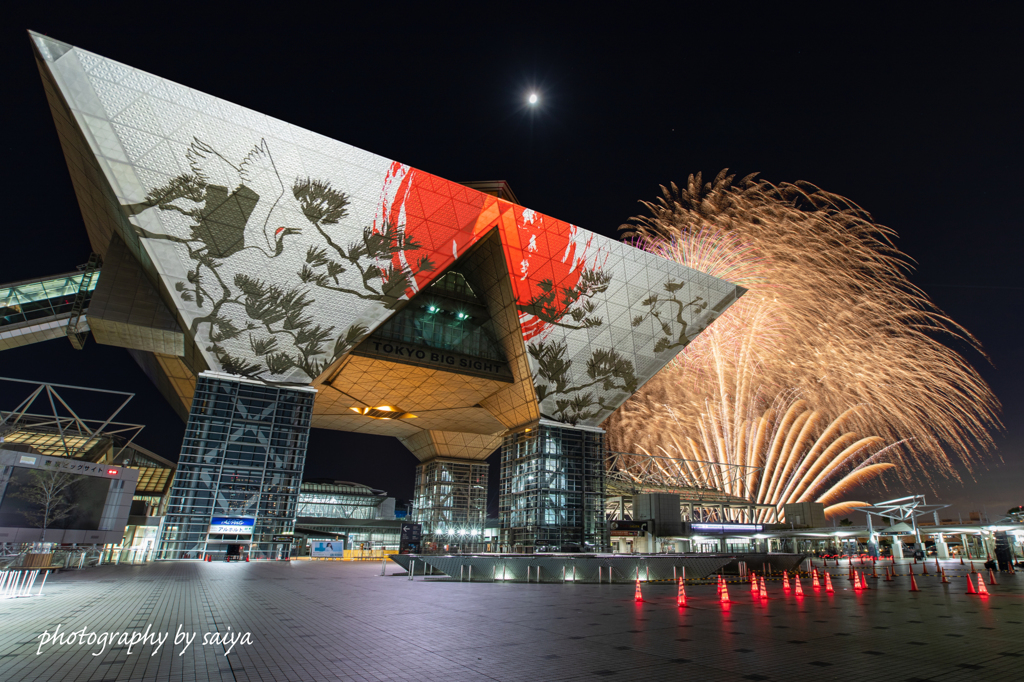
(328, 621)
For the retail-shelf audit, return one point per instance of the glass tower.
(242, 458)
(450, 501)
(553, 489)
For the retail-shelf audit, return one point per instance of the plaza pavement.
(343, 621)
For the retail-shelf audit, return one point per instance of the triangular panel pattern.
(283, 248)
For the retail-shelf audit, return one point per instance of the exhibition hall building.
(269, 280)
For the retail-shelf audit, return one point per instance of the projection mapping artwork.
(283, 248)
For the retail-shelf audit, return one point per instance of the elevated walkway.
(41, 309)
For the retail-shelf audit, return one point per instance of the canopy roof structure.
(418, 307)
(900, 511)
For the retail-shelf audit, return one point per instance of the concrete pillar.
(941, 548)
(989, 541)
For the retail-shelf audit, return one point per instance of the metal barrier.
(19, 582)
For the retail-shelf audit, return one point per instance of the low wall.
(556, 568)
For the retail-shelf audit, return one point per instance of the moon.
(533, 98)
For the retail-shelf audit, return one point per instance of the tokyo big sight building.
(269, 279)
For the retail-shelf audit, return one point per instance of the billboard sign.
(328, 549)
(409, 542)
(232, 525)
(628, 528)
(726, 527)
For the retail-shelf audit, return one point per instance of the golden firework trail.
(829, 371)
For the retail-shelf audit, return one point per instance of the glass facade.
(450, 501)
(341, 500)
(40, 299)
(446, 316)
(243, 456)
(553, 489)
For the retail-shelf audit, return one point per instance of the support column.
(450, 503)
(988, 541)
(553, 487)
(897, 547)
(260, 433)
(941, 548)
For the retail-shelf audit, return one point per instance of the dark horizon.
(912, 118)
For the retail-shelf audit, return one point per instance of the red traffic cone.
(856, 583)
(638, 596)
(992, 577)
(913, 582)
(828, 584)
(888, 575)
(924, 567)
(863, 582)
(982, 590)
(970, 586)
(938, 568)
(874, 570)
(724, 596)
(799, 588)
(681, 594)
(753, 583)
(944, 578)
(785, 581)
(961, 561)
(246, 558)
(814, 580)
(762, 592)
(972, 566)
(719, 586)
(209, 557)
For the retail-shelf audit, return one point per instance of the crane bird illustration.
(232, 206)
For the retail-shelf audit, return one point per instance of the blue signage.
(236, 525)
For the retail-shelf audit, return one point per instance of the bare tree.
(48, 492)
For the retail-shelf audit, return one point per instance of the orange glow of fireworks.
(829, 371)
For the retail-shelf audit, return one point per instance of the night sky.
(916, 116)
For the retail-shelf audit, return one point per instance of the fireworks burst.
(831, 341)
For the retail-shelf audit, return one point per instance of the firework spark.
(831, 341)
